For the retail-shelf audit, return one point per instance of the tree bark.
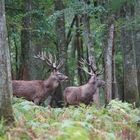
(90, 46)
(79, 47)
(30, 68)
(114, 81)
(5, 70)
(60, 35)
(137, 42)
(61, 47)
(108, 65)
(131, 93)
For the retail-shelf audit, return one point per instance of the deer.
(75, 95)
(38, 91)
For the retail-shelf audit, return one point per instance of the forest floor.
(118, 121)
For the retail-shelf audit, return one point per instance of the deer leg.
(36, 101)
(96, 98)
(50, 100)
(66, 104)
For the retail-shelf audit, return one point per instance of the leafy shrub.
(117, 121)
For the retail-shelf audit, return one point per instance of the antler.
(92, 67)
(50, 60)
(60, 64)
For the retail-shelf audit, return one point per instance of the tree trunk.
(131, 93)
(62, 49)
(137, 43)
(5, 71)
(90, 46)
(30, 68)
(60, 35)
(108, 65)
(79, 47)
(114, 81)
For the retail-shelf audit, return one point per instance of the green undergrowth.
(118, 121)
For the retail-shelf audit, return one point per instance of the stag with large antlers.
(39, 90)
(84, 93)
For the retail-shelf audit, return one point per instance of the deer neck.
(91, 86)
(51, 83)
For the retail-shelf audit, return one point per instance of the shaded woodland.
(75, 64)
(101, 35)
(104, 33)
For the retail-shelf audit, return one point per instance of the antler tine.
(50, 58)
(55, 63)
(91, 65)
(93, 69)
(47, 59)
(100, 73)
(83, 62)
(40, 56)
(60, 64)
(85, 71)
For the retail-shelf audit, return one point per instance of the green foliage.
(117, 4)
(116, 121)
(74, 133)
(2, 128)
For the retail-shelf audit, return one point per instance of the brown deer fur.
(82, 94)
(37, 90)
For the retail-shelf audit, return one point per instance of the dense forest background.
(98, 43)
(104, 32)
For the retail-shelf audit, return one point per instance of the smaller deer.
(84, 93)
(39, 90)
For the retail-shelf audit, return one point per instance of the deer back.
(84, 93)
(38, 90)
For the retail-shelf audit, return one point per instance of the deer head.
(53, 65)
(94, 75)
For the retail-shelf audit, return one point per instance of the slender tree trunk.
(73, 55)
(87, 36)
(62, 49)
(90, 46)
(114, 81)
(5, 70)
(108, 64)
(137, 43)
(60, 34)
(79, 46)
(16, 73)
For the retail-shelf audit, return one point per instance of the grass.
(119, 121)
